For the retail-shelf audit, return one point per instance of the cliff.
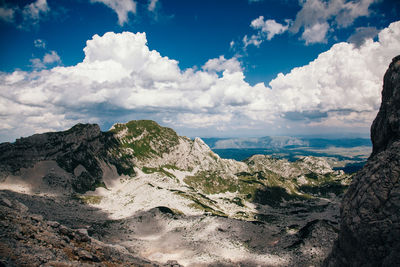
(370, 213)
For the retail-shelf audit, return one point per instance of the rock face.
(370, 213)
(80, 151)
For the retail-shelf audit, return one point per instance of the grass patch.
(90, 199)
(149, 170)
(211, 183)
(146, 138)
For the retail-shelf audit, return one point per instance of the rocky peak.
(386, 127)
(145, 138)
(80, 151)
(370, 214)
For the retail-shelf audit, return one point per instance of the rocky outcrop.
(370, 213)
(80, 151)
(27, 239)
(385, 129)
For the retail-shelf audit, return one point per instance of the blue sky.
(207, 68)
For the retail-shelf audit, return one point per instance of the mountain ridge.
(142, 170)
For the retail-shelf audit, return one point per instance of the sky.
(221, 68)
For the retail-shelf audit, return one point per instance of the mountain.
(347, 154)
(261, 142)
(279, 142)
(139, 192)
(370, 214)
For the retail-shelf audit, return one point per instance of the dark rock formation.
(386, 127)
(83, 144)
(27, 239)
(370, 213)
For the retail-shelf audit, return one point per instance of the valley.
(159, 198)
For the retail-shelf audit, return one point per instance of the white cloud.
(255, 40)
(222, 64)
(345, 78)
(39, 43)
(152, 5)
(121, 76)
(269, 27)
(317, 16)
(48, 59)
(51, 58)
(33, 12)
(362, 34)
(203, 120)
(121, 7)
(7, 14)
(231, 44)
(315, 33)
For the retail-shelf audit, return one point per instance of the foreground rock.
(27, 239)
(370, 226)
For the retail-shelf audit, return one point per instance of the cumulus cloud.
(266, 30)
(47, 60)
(255, 40)
(222, 64)
(152, 5)
(315, 19)
(344, 79)
(317, 16)
(315, 33)
(33, 11)
(120, 76)
(121, 7)
(362, 34)
(270, 27)
(203, 120)
(7, 14)
(31, 14)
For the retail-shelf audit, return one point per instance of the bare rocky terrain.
(142, 195)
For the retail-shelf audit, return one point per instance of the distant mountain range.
(278, 142)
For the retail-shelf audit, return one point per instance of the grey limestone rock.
(370, 213)
(83, 147)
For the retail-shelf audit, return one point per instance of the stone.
(53, 224)
(84, 255)
(6, 202)
(370, 212)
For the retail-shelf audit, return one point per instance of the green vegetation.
(146, 138)
(312, 175)
(266, 187)
(89, 199)
(201, 202)
(211, 183)
(149, 170)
